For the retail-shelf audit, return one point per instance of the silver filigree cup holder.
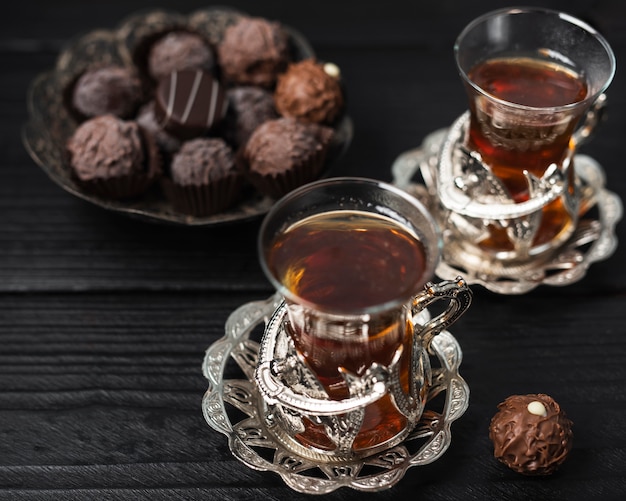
(465, 199)
(260, 437)
(517, 204)
(335, 390)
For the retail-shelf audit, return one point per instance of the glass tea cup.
(352, 259)
(535, 79)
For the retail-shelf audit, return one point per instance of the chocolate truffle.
(531, 434)
(310, 91)
(179, 50)
(203, 179)
(283, 154)
(113, 157)
(248, 107)
(253, 52)
(108, 89)
(167, 143)
(189, 103)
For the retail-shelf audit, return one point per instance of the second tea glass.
(535, 80)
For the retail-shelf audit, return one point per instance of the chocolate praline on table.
(203, 179)
(531, 434)
(248, 107)
(112, 157)
(189, 103)
(284, 153)
(179, 50)
(310, 91)
(107, 89)
(253, 52)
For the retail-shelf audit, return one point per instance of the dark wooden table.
(104, 319)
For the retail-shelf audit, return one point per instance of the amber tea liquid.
(510, 144)
(346, 261)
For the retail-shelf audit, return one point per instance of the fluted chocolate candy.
(189, 103)
(531, 434)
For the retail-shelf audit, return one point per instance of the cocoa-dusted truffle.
(113, 157)
(531, 434)
(283, 154)
(107, 89)
(249, 107)
(189, 103)
(310, 91)
(253, 52)
(179, 50)
(167, 143)
(203, 179)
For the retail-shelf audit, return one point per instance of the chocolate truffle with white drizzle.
(189, 103)
(531, 434)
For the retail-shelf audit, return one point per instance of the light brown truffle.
(307, 92)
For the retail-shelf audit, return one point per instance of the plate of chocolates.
(198, 119)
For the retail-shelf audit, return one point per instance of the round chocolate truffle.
(167, 143)
(310, 91)
(108, 89)
(203, 179)
(189, 103)
(253, 52)
(248, 108)
(179, 50)
(531, 434)
(113, 157)
(283, 154)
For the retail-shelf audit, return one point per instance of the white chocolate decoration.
(537, 408)
(332, 70)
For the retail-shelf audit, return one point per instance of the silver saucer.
(252, 442)
(593, 240)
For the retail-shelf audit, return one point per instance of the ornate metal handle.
(459, 295)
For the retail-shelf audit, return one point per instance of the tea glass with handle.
(344, 363)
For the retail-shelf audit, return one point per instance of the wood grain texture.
(104, 319)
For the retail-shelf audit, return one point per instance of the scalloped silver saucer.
(252, 442)
(593, 240)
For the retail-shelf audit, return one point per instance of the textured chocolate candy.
(310, 91)
(531, 434)
(283, 154)
(179, 50)
(248, 108)
(113, 157)
(203, 177)
(254, 51)
(189, 103)
(167, 143)
(106, 90)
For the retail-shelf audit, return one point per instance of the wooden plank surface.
(104, 319)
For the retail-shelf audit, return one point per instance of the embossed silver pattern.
(593, 239)
(250, 435)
